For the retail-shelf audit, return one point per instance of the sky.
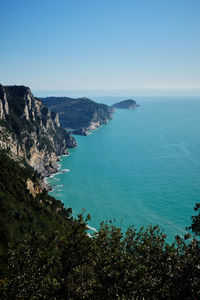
(146, 46)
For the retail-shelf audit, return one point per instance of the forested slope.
(46, 254)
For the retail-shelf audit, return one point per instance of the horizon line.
(120, 92)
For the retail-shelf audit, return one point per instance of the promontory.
(79, 115)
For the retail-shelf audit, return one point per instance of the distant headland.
(126, 104)
(79, 115)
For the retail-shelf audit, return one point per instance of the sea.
(141, 169)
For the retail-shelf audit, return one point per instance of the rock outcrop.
(33, 187)
(81, 131)
(79, 115)
(4, 110)
(125, 104)
(30, 132)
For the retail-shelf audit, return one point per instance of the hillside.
(81, 113)
(29, 131)
(46, 254)
(25, 208)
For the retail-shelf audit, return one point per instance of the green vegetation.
(46, 254)
(22, 214)
(78, 113)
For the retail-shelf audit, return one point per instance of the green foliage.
(79, 112)
(21, 213)
(195, 226)
(137, 265)
(45, 254)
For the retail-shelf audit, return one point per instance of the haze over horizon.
(118, 93)
(145, 47)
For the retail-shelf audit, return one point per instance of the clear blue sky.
(100, 44)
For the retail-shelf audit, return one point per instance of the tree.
(195, 226)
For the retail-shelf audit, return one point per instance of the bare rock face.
(33, 187)
(29, 131)
(4, 110)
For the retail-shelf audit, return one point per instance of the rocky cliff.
(80, 114)
(29, 131)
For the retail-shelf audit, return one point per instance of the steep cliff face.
(4, 110)
(29, 131)
(80, 114)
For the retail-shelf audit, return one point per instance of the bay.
(142, 168)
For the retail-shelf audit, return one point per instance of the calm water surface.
(142, 168)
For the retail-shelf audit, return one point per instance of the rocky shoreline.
(52, 173)
(30, 132)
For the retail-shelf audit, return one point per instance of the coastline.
(57, 169)
(54, 172)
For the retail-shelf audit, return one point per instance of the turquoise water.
(142, 168)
